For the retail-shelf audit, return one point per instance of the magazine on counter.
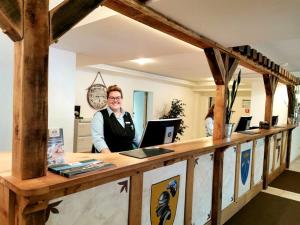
(55, 151)
(72, 169)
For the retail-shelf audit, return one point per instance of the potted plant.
(229, 104)
(294, 106)
(176, 111)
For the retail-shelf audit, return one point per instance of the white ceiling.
(270, 26)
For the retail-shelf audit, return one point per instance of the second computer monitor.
(158, 132)
(243, 124)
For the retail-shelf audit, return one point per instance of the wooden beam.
(188, 212)
(11, 19)
(290, 92)
(220, 112)
(68, 13)
(135, 199)
(270, 83)
(30, 107)
(288, 148)
(222, 67)
(266, 162)
(139, 12)
(216, 65)
(217, 187)
(233, 64)
(7, 206)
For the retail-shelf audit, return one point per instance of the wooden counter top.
(124, 166)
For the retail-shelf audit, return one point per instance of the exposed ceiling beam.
(67, 14)
(138, 11)
(10, 19)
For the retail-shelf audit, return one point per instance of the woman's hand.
(105, 150)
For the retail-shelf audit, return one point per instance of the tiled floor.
(295, 166)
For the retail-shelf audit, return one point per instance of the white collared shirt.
(98, 129)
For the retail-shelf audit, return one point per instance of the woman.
(112, 128)
(209, 121)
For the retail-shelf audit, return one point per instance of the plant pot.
(228, 129)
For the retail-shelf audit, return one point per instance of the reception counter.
(202, 182)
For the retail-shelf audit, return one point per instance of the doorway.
(142, 109)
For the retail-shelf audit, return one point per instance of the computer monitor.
(274, 120)
(158, 132)
(243, 124)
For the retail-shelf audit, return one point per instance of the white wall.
(6, 92)
(280, 104)
(61, 98)
(62, 69)
(258, 98)
(163, 94)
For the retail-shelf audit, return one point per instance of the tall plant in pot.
(229, 104)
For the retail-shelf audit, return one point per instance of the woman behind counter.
(112, 128)
(209, 121)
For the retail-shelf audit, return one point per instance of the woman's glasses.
(115, 98)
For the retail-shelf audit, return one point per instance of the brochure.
(55, 151)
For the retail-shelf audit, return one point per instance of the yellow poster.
(164, 198)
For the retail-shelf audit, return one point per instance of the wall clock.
(96, 94)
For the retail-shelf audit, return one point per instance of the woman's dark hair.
(114, 88)
(210, 112)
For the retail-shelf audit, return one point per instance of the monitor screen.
(158, 132)
(274, 120)
(243, 124)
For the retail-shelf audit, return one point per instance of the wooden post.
(270, 83)
(290, 91)
(288, 148)
(7, 203)
(188, 212)
(10, 18)
(217, 187)
(135, 199)
(266, 162)
(31, 93)
(222, 68)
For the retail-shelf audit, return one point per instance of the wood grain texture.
(288, 148)
(216, 65)
(222, 67)
(237, 173)
(217, 187)
(266, 163)
(10, 18)
(270, 84)
(7, 204)
(253, 164)
(219, 112)
(68, 13)
(55, 185)
(188, 212)
(136, 199)
(290, 91)
(30, 107)
(158, 21)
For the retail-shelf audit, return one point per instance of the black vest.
(117, 137)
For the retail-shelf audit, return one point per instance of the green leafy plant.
(294, 102)
(231, 96)
(176, 111)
